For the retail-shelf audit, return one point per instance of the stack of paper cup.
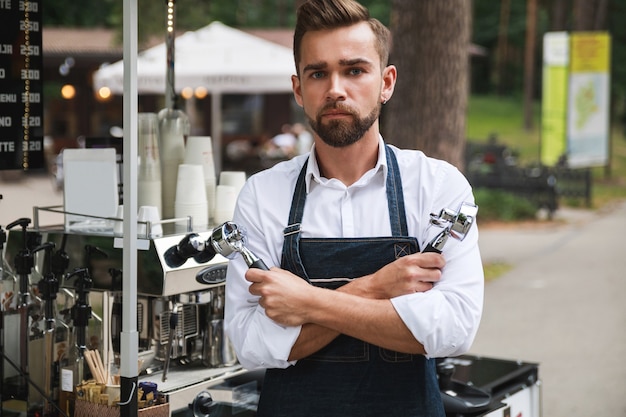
(199, 151)
(173, 128)
(235, 179)
(191, 200)
(225, 199)
(149, 163)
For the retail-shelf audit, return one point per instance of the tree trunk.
(590, 15)
(502, 55)
(558, 15)
(431, 51)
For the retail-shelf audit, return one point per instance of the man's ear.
(390, 74)
(297, 90)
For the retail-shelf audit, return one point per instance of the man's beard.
(341, 133)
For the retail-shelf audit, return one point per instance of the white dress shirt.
(445, 319)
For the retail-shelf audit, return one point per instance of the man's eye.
(317, 74)
(356, 71)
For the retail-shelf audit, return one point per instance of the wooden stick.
(98, 362)
(92, 366)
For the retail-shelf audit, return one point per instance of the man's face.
(340, 83)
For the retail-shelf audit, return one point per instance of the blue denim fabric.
(350, 377)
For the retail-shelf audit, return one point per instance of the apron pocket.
(394, 357)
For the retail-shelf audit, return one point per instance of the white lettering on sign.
(5, 4)
(28, 26)
(8, 98)
(2, 73)
(30, 74)
(29, 50)
(7, 147)
(6, 48)
(31, 146)
(29, 6)
(31, 98)
(6, 121)
(32, 121)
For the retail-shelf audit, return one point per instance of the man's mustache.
(335, 105)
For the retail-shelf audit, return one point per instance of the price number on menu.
(21, 85)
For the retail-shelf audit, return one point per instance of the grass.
(493, 270)
(503, 116)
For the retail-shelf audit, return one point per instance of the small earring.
(384, 101)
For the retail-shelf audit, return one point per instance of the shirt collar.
(313, 169)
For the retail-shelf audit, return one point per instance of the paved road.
(563, 305)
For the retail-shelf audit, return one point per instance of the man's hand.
(409, 274)
(283, 294)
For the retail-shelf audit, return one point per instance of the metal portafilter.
(454, 223)
(226, 239)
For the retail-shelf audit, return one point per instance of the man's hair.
(315, 15)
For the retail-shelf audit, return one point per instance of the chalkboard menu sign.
(21, 85)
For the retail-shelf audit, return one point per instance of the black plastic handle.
(431, 248)
(259, 264)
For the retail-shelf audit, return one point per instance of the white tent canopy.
(216, 57)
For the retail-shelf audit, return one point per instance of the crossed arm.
(361, 308)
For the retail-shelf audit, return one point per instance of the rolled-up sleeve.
(258, 341)
(446, 319)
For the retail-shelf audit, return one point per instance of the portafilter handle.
(229, 238)
(226, 239)
(454, 223)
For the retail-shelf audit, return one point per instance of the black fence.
(495, 166)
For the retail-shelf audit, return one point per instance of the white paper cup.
(199, 151)
(149, 214)
(234, 178)
(225, 200)
(211, 185)
(169, 180)
(149, 191)
(190, 187)
(173, 126)
(197, 212)
(118, 227)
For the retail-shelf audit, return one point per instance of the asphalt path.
(563, 306)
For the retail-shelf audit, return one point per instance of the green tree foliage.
(72, 13)
(488, 74)
(190, 14)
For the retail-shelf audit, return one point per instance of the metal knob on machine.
(203, 405)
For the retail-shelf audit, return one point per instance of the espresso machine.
(180, 307)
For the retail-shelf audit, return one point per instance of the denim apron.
(350, 377)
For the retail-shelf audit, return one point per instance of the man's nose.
(336, 89)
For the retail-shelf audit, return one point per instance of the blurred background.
(482, 84)
(470, 77)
